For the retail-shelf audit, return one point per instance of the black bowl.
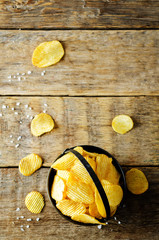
(93, 149)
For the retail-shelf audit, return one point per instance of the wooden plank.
(95, 63)
(79, 14)
(139, 219)
(85, 120)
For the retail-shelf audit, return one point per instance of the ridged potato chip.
(69, 207)
(58, 190)
(136, 181)
(47, 54)
(30, 164)
(90, 154)
(93, 211)
(85, 219)
(122, 124)
(34, 201)
(66, 161)
(79, 191)
(103, 166)
(42, 123)
(64, 174)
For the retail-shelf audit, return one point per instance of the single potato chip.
(34, 201)
(136, 181)
(58, 190)
(69, 207)
(79, 191)
(103, 166)
(122, 124)
(90, 154)
(30, 164)
(93, 211)
(64, 174)
(66, 161)
(42, 123)
(85, 219)
(47, 54)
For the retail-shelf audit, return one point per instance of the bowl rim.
(87, 148)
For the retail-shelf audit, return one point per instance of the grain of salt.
(99, 226)
(18, 209)
(4, 106)
(17, 145)
(29, 220)
(37, 219)
(20, 137)
(29, 72)
(0, 114)
(18, 103)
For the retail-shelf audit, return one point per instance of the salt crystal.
(9, 76)
(20, 121)
(22, 229)
(4, 106)
(11, 141)
(18, 103)
(22, 216)
(119, 222)
(27, 226)
(16, 113)
(29, 72)
(9, 80)
(44, 71)
(23, 74)
(7, 106)
(19, 79)
(45, 104)
(17, 218)
(26, 106)
(18, 209)
(44, 111)
(12, 109)
(37, 219)
(21, 226)
(0, 114)
(31, 117)
(30, 108)
(11, 136)
(115, 218)
(17, 73)
(29, 220)
(99, 226)
(42, 74)
(27, 116)
(19, 138)
(14, 76)
(24, 78)
(106, 223)
(17, 145)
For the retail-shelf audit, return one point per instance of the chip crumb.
(29, 72)
(27, 226)
(37, 219)
(29, 220)
(20, 137)
(22, 229)
(99, 226)
(18, 209)
(119, 222)
(17, 145)
(22, 216)
(4, 106)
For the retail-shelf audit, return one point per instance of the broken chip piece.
(42, 123)
(136, 181)
(47, 54)
(122, 124)
(34, 201)
(30, 164)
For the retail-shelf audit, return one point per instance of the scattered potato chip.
(122, 124)
(30, 164)
(34, 201)
(79, 191)
(66, 161)
(41, 124)
(58, 190)
(47, 54)
(93, 211)
(136, 181)
(64, 174)
(69, 207)
(85, 219)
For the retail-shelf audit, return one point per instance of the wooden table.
(110, 67)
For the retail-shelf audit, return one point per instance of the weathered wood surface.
(79, 14)
(95, 63)
(81, 120)
(139, 219)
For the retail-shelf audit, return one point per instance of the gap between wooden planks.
(99, 63)
(80, 121)
(139, 219)
(79, 14)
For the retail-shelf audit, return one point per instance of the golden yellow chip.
(58, 190)
(136, 181)
(30, 164)
(112, 210)
(34, 201)
(47, 54)
(122, 124)
(90, 154)
(85, 219)
(79, 191)
(69, 207)
(64, 174)
(67, 160)
(103, 166)
(93, 211)
(41, 124)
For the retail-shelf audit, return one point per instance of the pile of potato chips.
(74, 190)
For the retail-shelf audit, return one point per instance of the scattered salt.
(31, 117)
(22, 216)
(29, 72)
(37, 219)
(99, 226)
(30, 108)
(14, 76)
(20, 121)
(17, 145)
(19, 138)
(9, 80)
(11, 136)
(18, 103)
(24, 78)
(44, 111)
(26, 106)
(27, 116)
(115, 218)
(106, 223)
(45, 104)
(119, 222)
(0, 114)
(12, 109)
(17, 73)
(42, 74)
(9, 76)
(29, 220)
(27, 226)
(22, 229)
(16, 113)
(23, 74)
(21, 226)
(19, 79)
(18, 209)
(4, 106)
(11, 141)
(17, 218)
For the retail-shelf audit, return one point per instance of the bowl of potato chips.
(86, 185)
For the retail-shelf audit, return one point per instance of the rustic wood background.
(110, 67)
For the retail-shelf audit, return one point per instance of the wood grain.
(139, 219)
(95, 63)
(85, 120)
(53, 14)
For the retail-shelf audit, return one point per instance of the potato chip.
(79, 191)
(112, 210)
(93, 210)
(58, 190)
(103, 166)
(34, 201)
(66, 161)
(69, 207)
(113, 175)
(30, 164)
(90, 154)
(85, 219)
(64, 174)
(47, 54)
(136, 181)
(41, 124)
(79, 171)
(122, 124)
